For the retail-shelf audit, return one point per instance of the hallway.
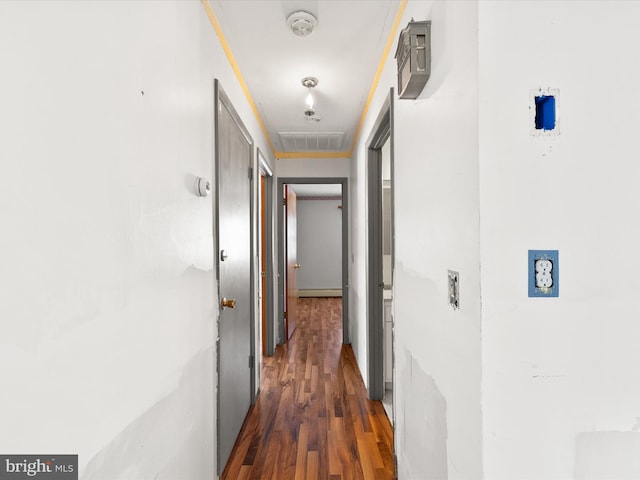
(312, 419)
(115, 280)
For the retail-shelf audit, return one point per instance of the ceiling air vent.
(311, 141)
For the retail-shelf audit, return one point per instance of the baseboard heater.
(321, 292)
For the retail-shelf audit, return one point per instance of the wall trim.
(318, 292)
(234, 65)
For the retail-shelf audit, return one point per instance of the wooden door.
(233, 160)
(291, 226)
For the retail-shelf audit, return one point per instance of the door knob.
(297, 265)
(228, 303)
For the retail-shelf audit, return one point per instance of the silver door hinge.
(251, 361)
(250, 173)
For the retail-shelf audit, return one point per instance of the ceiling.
(343, 52)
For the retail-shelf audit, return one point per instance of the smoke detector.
(302, 23)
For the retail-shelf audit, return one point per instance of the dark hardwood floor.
(312, 419)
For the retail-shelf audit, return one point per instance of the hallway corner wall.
(108, 295)
(437, 382)
(561, 384)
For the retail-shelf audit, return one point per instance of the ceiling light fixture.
(302, 23)
(309, 83)
(310, 101)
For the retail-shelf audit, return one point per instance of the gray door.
(234, 149)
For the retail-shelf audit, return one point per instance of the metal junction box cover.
(414, 58)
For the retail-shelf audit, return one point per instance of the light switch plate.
(454, 289)
(544, 273)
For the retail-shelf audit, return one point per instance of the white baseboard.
(324, 292)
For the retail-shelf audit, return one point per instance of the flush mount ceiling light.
(302, 23)
(309, 83)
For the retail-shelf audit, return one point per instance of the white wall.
(313, 167)
(561, 384)
(108, 290)
(437, 350)
(319, 244)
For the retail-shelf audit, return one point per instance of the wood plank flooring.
(312, 419)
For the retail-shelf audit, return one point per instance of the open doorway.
(312, 247)
(380, 258)
(387, 278)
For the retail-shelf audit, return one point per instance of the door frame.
(344, 182)
(381, 132)
(264, 168)
(221, 100)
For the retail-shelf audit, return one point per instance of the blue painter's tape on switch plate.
(544, 273)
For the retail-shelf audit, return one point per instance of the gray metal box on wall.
(414, 58)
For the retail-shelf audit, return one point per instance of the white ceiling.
(343, 53)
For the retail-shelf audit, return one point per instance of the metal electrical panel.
(414, 58)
